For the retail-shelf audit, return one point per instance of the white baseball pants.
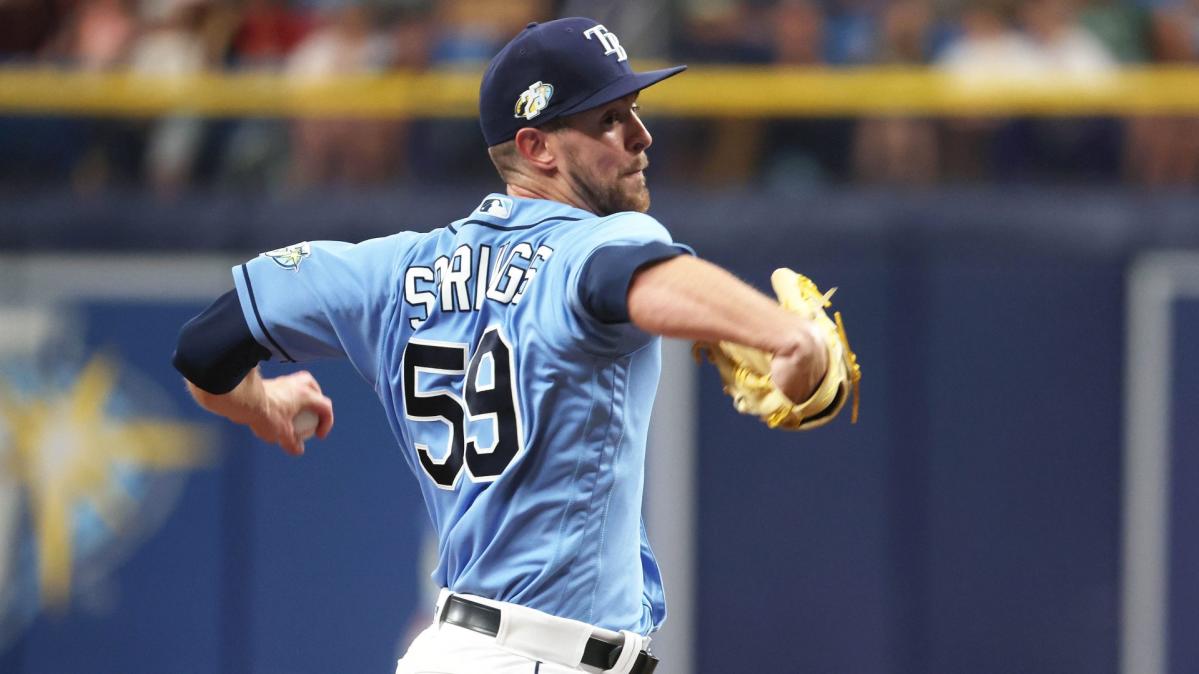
(531, 642)
(449, 649)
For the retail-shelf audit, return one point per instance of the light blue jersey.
(523, 417)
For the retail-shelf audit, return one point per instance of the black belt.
(598, 653)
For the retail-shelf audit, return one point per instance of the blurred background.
(1005, 192)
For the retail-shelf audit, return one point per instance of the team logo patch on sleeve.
(290, 257)
(497, 207)
(534, 99)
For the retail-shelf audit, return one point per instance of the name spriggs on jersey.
(464, 280)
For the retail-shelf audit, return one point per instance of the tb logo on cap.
(608, 40)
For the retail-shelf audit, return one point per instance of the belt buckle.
(646, 663)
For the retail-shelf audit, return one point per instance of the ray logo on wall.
(93, 458)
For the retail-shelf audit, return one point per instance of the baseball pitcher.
(516, 353)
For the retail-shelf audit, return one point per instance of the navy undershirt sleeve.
(216, 350)
(604, 282)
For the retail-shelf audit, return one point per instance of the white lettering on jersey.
(608, 39)
(512, 275)
(484, 259)
(417, 297)
(453, 276)
(502, 276)
(543, 254)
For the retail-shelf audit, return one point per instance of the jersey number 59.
(494, 399)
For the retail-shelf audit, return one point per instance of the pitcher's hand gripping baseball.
(295, 411)
(746, 371)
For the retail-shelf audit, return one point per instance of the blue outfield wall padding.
(1183, 549)
(970, 521)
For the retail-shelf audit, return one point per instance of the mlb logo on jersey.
(497, 207)
(534, 99)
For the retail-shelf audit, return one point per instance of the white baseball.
(305, 423)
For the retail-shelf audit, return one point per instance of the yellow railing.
(701, 92)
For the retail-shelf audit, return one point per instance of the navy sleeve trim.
(604, 282)
(254, 305)
(216, 348)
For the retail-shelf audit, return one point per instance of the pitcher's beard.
(618, 197)
(627, 193)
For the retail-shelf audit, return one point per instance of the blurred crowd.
(972, 40)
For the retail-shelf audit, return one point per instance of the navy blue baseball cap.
(555, 69)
